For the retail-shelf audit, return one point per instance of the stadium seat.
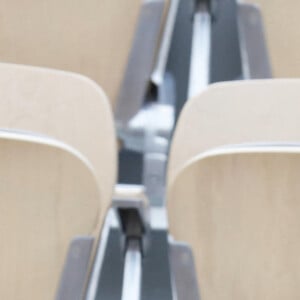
(64, 106)
(43, 208)
(238, 208)
(232, 188)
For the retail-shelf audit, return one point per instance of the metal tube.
(132, 271)
(200, 56)
(160, 67)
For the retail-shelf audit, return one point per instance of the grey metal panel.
(183, 272)
(109, 286)
(225, 48)
(141, 61)
(156, 283)
(74, 277)
(178, 65)
(130, 167)
(255, 57)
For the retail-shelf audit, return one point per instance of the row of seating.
(232, 171)
(232, 181)
(62, 124)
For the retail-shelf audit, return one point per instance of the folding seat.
(74, 110)
(44, 209)
(88, 37)
(237, 205)
(238, 208)
(64, 106)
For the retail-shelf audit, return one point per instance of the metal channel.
(201, 45)
(132, 280)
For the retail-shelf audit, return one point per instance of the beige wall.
(282, 23)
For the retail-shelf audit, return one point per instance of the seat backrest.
(282, 31)
(42, 208)
(239, 210)
(64, 106)
(88, 37)
(233, 113)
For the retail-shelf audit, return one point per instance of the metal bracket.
(185, 284)
(133, 216)
(154, 177)
(75, 273)
(152, 117)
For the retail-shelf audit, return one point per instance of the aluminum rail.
(201, 46)
(132, 277)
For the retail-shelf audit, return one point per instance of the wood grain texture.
(240, 213)
(281, 19)
(64, 106)
(90, 37)
(48, 195)
(233, 113)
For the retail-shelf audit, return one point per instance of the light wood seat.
(219, 204)
(64, 106)
(88, 37)
(282, 31)
(42, 208)
(234, 113)
(239, 210)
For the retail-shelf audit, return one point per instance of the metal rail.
(200, 56)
